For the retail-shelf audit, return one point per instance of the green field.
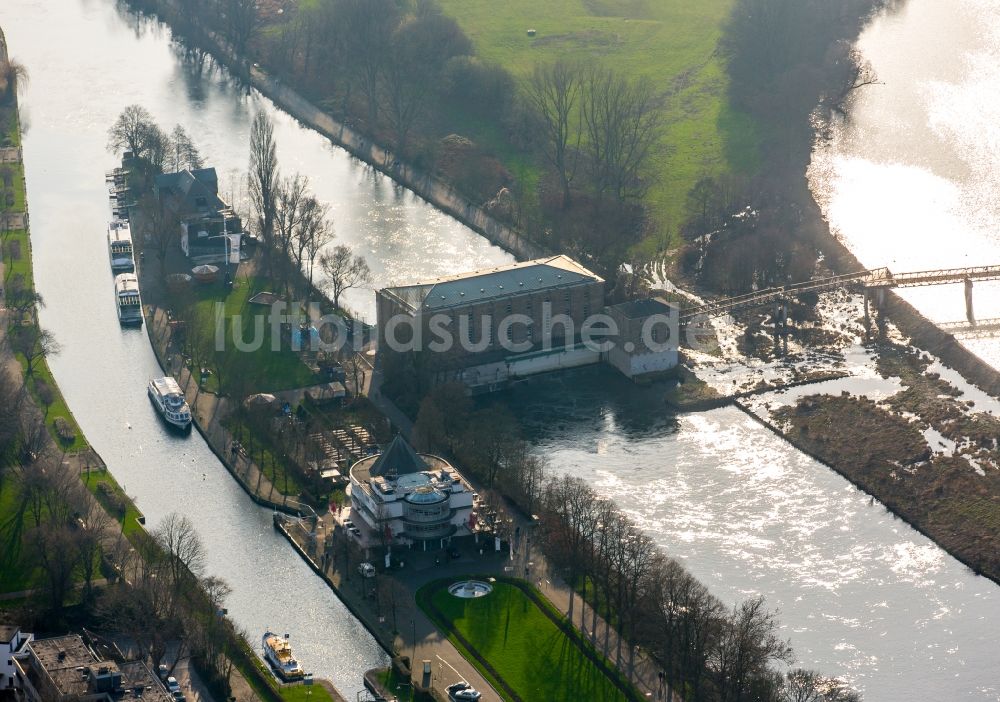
(672, 42)
(269, 370)
(524, 646)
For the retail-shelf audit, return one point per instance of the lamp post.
(413, 623)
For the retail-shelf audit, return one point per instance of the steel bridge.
(876, 280)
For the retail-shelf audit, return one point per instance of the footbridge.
(874, 283)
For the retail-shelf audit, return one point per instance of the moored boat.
(127, 300)
(120, 246)
(278, 654)
(169, 401)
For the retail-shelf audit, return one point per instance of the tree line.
(167, 603)
(405, 75)
(708, 651)
(793, 67)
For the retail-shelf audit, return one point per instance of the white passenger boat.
(169, 401)
(278, 653)
(120, 246)
(127, 299)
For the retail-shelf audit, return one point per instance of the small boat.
(278, 654)
(169, 402)
(127, 300)
(462, 692)
(120, 246)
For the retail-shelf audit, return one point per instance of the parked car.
(462, 692)
(163, 669)
(355, 531)
(367, 570)
(348, 524)
(179, 696)
(172, 685)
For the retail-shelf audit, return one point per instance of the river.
(860, 594)
(910, 180)
(87, 61)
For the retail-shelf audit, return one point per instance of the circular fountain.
(470, 589)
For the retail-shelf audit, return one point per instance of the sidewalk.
(208, 410)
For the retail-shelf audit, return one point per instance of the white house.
(407, 498)
(13, 642)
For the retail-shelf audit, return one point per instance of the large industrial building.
(500, 320)
(489, 326)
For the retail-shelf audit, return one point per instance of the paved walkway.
(420, 639)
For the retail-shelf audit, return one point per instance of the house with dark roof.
(211, 232)
(401, 497)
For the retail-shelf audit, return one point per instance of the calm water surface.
(860, 594)
(912, 179)
(87, 61)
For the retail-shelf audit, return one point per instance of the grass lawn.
(17, 571)
(288, 693)
(270, 370)
(305, 693)
(59, 408)
(672, 42)
(266, 457)
(112, 497)
(532, 655)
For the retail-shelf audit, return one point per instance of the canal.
(859, 593)
(87, 61)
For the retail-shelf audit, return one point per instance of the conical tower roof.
(398, 459)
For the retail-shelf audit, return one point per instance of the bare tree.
(92, 540)
(55, 546)
(748, 646)
(288, 220)
(417, 53)
(159, 227)
(264, 179)
(852, 72)
(622, 120)
(366, 28)
(184, 551)
(12, 395)
(34, 344)
(316, 232)
(809, 686)
(135, 131)
(343, 271)
(182, 154)
(241, 21)
(13, 79)
(22, 298)
(554, 92)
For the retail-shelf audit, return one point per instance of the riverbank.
(434, 191)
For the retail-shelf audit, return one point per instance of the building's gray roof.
(493, 283)
(188, 186)
(7, 633)
(646, 307)
(398, 459)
